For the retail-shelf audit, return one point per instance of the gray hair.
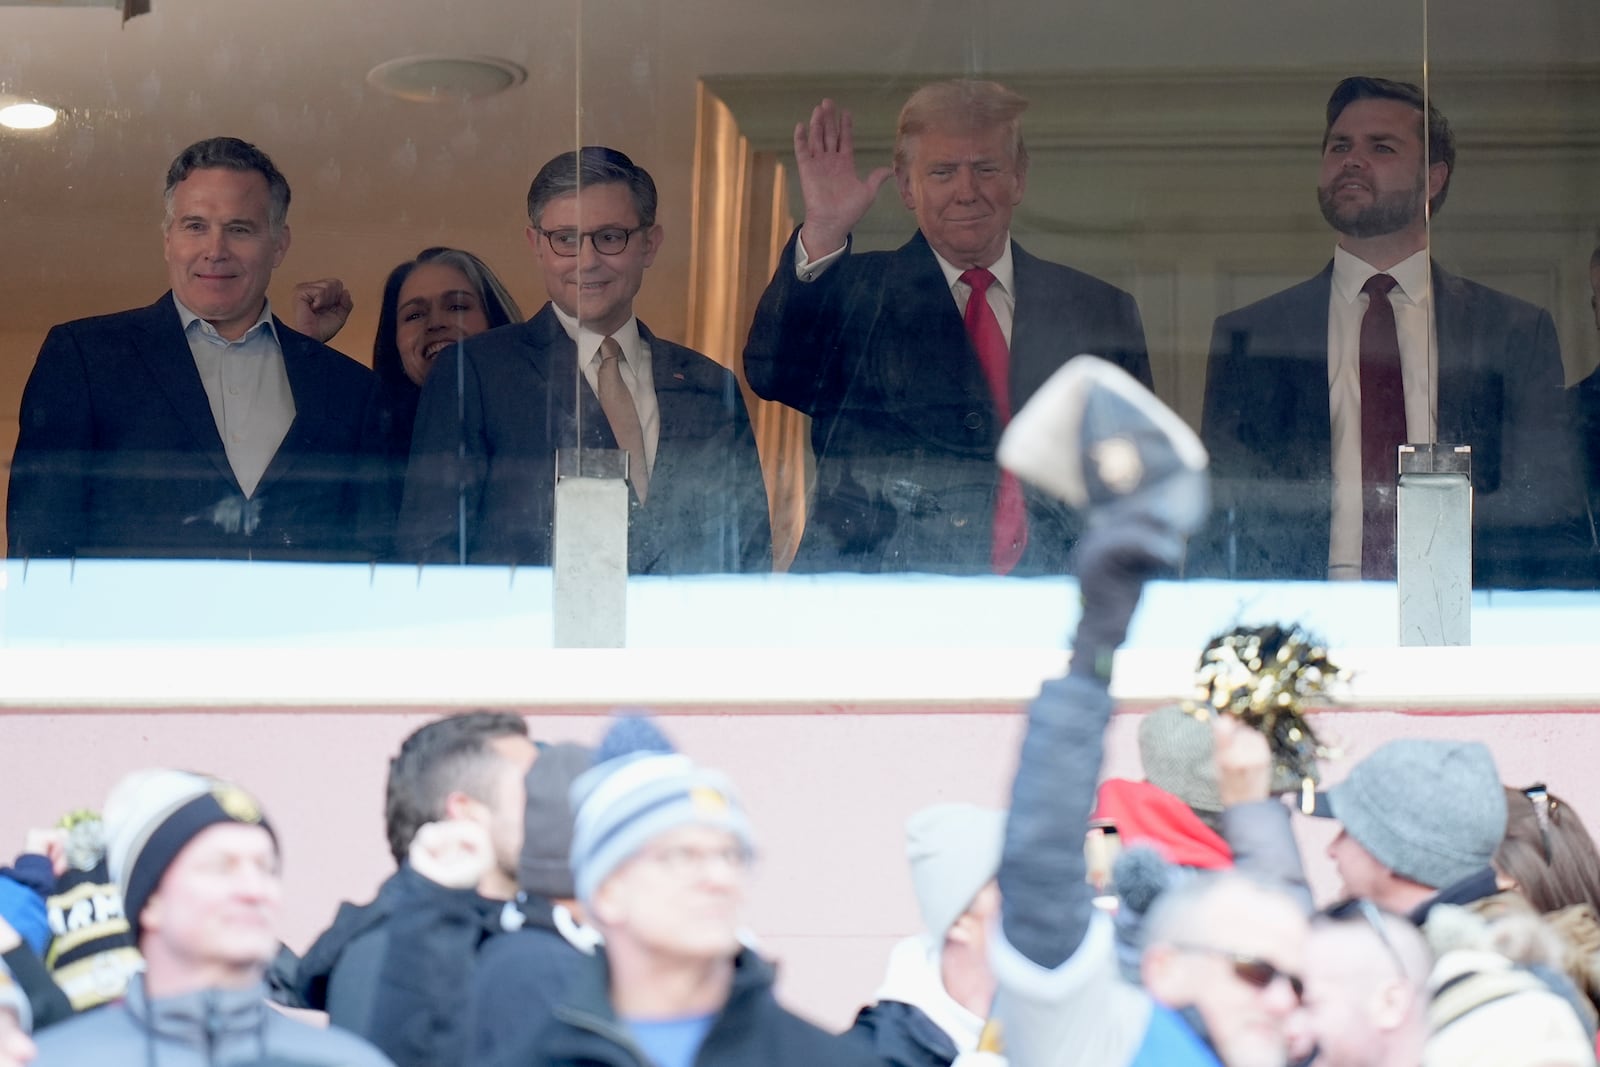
(230, 153)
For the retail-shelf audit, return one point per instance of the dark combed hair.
(1441, 142)
(498, 307)
(592, 165)
(230, 153)
(445, 756)
(1548, 851)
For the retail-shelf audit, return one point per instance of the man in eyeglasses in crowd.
(661, 851)
(1223, 953)
(585, 373)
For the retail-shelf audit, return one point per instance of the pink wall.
(828, 789)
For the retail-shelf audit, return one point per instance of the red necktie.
(1383, 428)
(1010, 509)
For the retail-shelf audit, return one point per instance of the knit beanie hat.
(151, 815)
(954, 851)
(12, 996)
(1175, 749)
(639, 788)
(543, 868)
(1432, 811)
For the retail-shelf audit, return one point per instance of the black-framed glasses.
(1251, 970)
(610, 241)
(1364, 909)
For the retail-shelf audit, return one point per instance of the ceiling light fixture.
(434, 79)
(27, 116)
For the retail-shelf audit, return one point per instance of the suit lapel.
(571, 409)
(162, 346)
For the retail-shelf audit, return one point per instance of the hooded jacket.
(209, 1028)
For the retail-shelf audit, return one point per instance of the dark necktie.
(617, 403)
(1010, 509)
(1383, 428)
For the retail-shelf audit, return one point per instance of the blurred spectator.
(92, 954)
(16, 1021)
(467, 767)
(198, 866)
(521, 974)
(1547, 852)
(1420, 820)
(1223, 952)
(660, 854)
(939, 987)
(46, 1003)
(1366, 994)
(1497, 1000)
(434, 993)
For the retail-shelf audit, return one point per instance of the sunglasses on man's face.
(1251, 970)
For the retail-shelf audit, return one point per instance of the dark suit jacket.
(904, 429)
(1267, 426)
(486, 453)
(119, 454)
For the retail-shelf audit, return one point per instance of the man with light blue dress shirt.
(200, 426)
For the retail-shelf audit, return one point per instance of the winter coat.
(210, 1028)
(751, 1030)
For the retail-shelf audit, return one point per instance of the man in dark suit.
(200, 426)
(584, 371)
(879, 348)
(1287, 378)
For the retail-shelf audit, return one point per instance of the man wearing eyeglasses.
(1223, 954)
(661, 851)
(585, 372)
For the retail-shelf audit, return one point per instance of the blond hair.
(963, 105)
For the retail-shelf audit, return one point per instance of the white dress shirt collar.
(1003, 270)
(1411, 276)
(186, 317)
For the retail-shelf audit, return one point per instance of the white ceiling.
(375, 178)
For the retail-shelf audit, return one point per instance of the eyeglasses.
(682, 861)
(610, 241)
(1251, 970)
(1362, 908)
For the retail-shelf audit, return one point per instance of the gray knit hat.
(1431, 811)
(13, 997)
(545, 866)
(954, 851)
(639, 789)
(1176, 751)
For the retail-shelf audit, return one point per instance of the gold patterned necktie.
(617, 403)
